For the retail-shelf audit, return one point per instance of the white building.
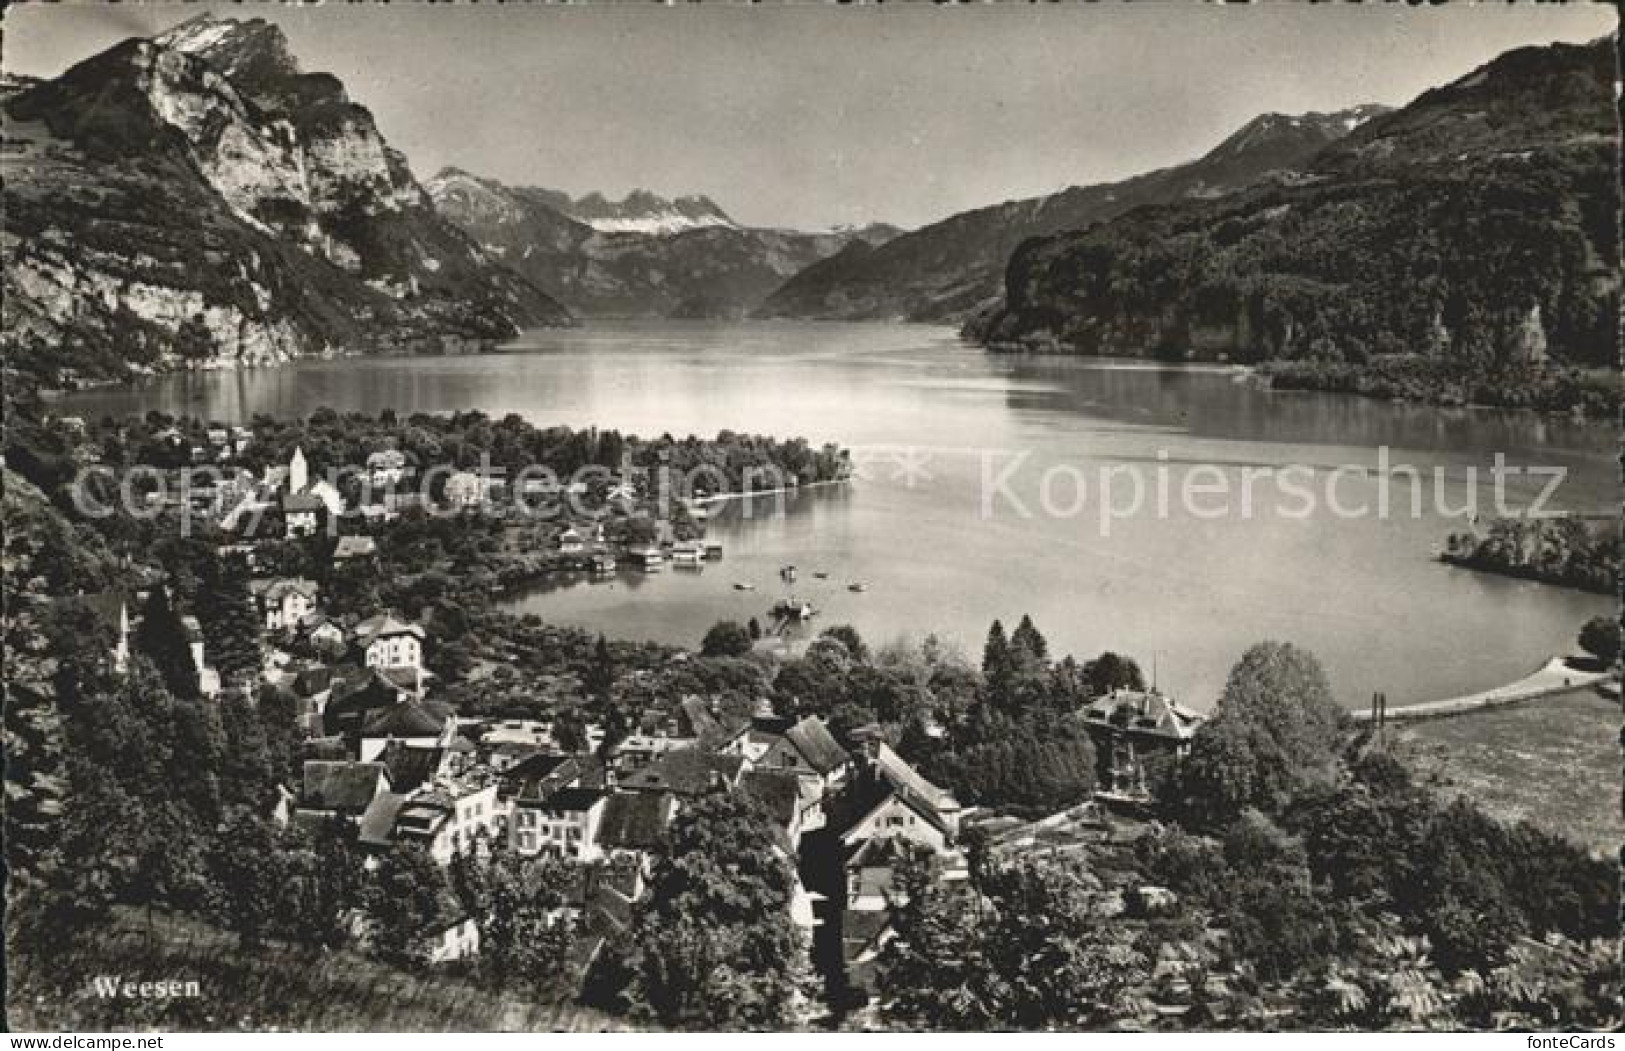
(387, 642)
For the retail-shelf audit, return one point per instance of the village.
(385, 755)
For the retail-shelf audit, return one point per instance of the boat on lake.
(857, 585)
(740, 585)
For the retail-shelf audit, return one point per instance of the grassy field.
(1554, 762)
(270, 989)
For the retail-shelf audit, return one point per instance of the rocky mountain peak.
(249, 51)
(644, 212)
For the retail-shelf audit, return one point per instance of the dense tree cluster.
(1566, 550)
(1273, 731)
(1024, 947)
(712, 946)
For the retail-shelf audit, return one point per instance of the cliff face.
(949, 270)
(642, 257)
(1470, 233)
(199, 183)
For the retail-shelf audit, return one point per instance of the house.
(1131, 728)
(411, 765)
(353, 548)
(386, 468)
(449, 819)
(328, 493)
(687, 773)
(301, 514)
(696, 719)
(454, 935)
(449, 933)
(535, 733)
(341, 789)
(637, 751)
(376, 831)
(424, 724)
(634, 824)
(648, 559)
(284, 602)
(538, 776)
(896, 771)
(502, 756)
(571, 542)
(805, 748)
(464, 490)
(888, 810)
(780, 795)
(208, 679)
(687, 553)
(388, 642)
(321, 632)
(565, 823)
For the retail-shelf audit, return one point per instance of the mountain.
(948, 270)
(197, 196)
(641, 212)
(1464, 243)
(640, 257)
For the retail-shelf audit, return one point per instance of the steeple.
(298, 471)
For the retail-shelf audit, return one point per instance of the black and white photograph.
(625, 518)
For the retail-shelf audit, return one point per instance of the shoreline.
(1554, 678)
(1531, 575)
(720, 498)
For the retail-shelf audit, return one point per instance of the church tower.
(298, 472)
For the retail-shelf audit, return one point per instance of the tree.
(248, 875)
(1043, 958)
(712, 946)
(848, 636)
(163, 639)
(231, 626)
(193, 340)
(1027, 640)
(1600, 637)
(403, 900)
(520, 940)
(1273, 732)
(1111, 671)
(726, 639)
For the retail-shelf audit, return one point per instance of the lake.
(948, 521)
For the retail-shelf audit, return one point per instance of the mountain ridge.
(195, 198)
(604, 259)
(1463, 248)
(947, 270)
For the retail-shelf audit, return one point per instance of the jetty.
(788, 611)
(1551, 679)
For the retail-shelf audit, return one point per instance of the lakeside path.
(1551, 679)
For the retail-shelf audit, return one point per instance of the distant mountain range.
(950, 269)
(643, 256)
(1455, 249)
(640, 212)
(198, 196)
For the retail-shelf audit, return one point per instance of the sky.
(810, 116)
